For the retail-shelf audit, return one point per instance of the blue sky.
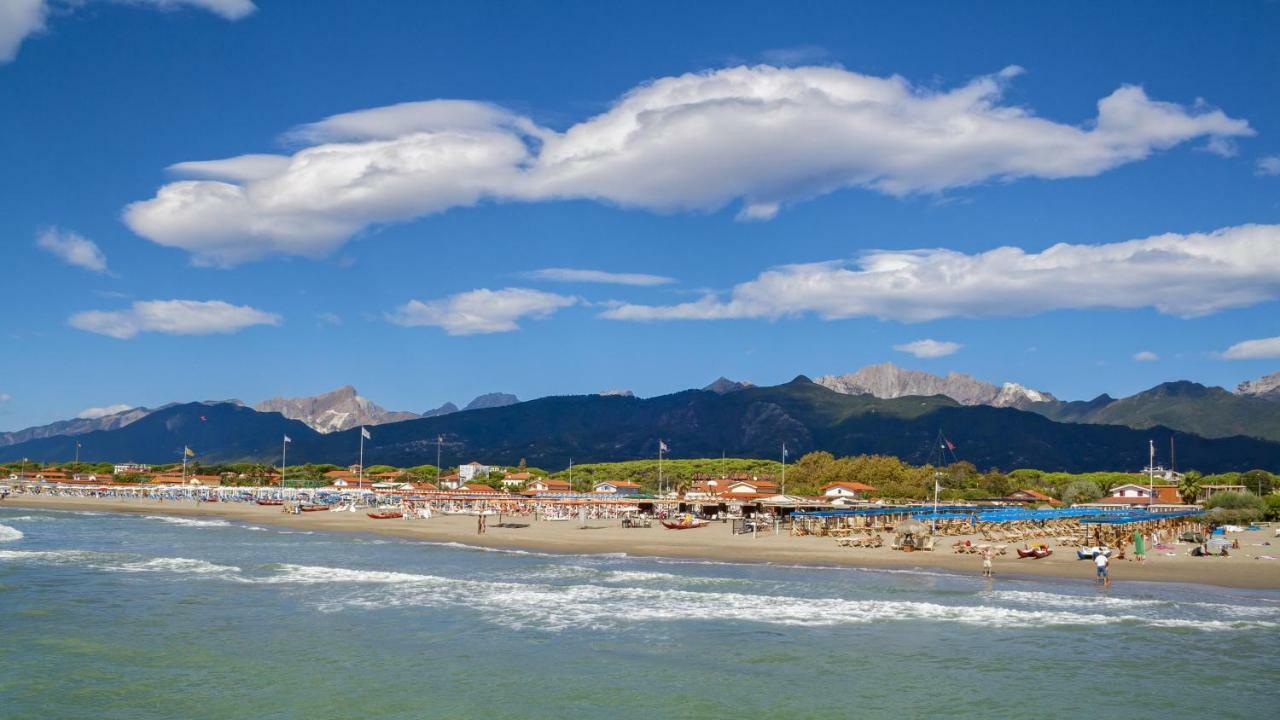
(806, 211)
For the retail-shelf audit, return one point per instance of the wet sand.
(716, 542)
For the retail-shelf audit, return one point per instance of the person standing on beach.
(987, 553)
(1103, 562)
(1139, 547)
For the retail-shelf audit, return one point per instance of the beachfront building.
(548, 485)
(452, 481)
(1208, 491)
(1143, 494)
(474, 470)
(851, 490)
(516, 480)
(131, 469)
(1027, 495)
(476, 488)
(620, 488)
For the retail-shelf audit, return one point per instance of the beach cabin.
(476, 488)
(751, 487)
(855, 490)
(620, 488)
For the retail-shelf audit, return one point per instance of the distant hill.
(340, 409)
(75, 426)
(492, 400)
(888, 381)
(1266, 387)
(751, 423)
(1191, 407)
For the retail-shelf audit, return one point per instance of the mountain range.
(749, 422)
(1182, 407)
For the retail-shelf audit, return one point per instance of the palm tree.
(1189, 489)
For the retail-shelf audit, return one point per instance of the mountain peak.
(334, 411)
(492, 400)
(446, 409)
(1266, 387)
(723, 385)
(886, 380)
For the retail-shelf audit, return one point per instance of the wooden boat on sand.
(391, 515)
(1034, 553)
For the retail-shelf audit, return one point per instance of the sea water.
(131, 616)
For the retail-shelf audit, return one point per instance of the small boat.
(270, 502)
(314, 508)
(1092, 552)
(392, 515)
(1035, 553)
(684, 524)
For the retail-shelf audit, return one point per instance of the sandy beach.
(1243, 569)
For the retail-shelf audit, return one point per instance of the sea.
(134, 616)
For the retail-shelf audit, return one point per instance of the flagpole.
(784, 468)
(439, 438)
(284, 462)
(360, 472)
(659, 466)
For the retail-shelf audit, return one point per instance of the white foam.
(1079, 602)
(176, 565)
(30, 518)
(189, 522)
(555, 607)
(8, 534)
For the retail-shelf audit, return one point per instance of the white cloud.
(1146, 356)
(597, 276)
(760, 136)
(1260, 349)
(20, 19)
(73, 248)
(480, 311)
(1184, 275)
(329, 318)
(94, 413)
(929, 348)
(1269, 165)
(173, 317)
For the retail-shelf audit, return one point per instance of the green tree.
(1081, 491)
(1189, 488)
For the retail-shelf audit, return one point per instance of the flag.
(288, 439)
(439, 438)
(203, 418)
(365, 433)
(947, 443)
(662, 447)
(784, 450)
(188, 452)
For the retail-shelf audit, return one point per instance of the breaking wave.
(9, 534)
(189, 522)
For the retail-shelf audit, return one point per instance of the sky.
(210, 199)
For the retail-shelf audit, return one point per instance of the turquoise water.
(125, 616)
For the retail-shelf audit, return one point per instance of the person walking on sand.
(1103, 562)
(986, 561)
(1139, 547)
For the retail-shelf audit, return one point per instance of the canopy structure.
(1141, 516)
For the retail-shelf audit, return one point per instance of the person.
(986, 561)
(1102, 562)
(1139, 547)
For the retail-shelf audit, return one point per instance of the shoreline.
(713, 543)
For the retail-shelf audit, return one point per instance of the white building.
(474, 470)
(131, 468)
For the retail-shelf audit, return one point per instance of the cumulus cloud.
(73, 248)
(597, 276)
(760, 136)
(1185, 275)
(94, 413)
(481, 311)
(1146, 356)
(1269, 165)
(929, 348)
(1260, 349)
(20, 19)
(173, 317)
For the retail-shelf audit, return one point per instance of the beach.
(1242, 569)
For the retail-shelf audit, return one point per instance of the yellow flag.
(188, 452)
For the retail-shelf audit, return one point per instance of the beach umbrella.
(912, 527)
